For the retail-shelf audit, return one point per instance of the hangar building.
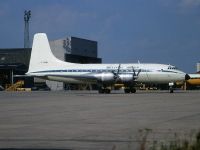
(14, 61)
(72, 49)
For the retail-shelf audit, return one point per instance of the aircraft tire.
(133, 90)
(107, 91)
(101, 91)
(127, 91)
(171, 91)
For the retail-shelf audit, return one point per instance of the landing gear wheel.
(101, 91)
(107, 91)
(127, 90)
(171, 90)
(104, 90)
(133, 90)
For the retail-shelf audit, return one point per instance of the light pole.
(27, 16)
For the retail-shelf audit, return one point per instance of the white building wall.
(59, 52)
(57, 49)
(54, 85)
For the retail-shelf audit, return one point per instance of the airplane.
(43, 64)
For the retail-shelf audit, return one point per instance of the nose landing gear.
(171, 89)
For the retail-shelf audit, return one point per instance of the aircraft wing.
(85, 76)
(90, 76)
(23, 76)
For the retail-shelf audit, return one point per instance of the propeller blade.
(134, 74)
(138, 72)
(118, 69)
(116, 74)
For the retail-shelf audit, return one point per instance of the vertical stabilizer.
(41, 55)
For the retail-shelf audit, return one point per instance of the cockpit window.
(172, 68)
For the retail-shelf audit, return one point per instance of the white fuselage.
(150, 73)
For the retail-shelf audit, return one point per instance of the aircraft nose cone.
(187, 77)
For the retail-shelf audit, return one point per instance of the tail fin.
(41, 55)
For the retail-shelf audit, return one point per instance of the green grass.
(177, 144)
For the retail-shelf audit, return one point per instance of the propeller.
(116, 74)
(135, 76)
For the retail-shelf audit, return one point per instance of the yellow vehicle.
(14, 87)
(194, 79)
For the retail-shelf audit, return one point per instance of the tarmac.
(84, 120)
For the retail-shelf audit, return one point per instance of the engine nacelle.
(106, 77)
(125, 78)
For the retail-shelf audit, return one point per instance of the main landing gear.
(104, 90)
(108, 90)
(171, 89)
(129, 90)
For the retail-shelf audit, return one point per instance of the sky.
(151, 31)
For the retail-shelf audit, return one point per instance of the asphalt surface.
(89, 121)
